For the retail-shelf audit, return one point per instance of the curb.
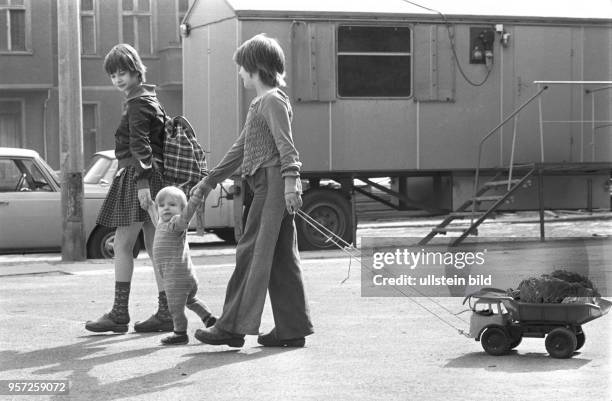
(51, 264)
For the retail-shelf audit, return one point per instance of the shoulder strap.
(186, 126)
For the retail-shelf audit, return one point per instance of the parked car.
(30, 204)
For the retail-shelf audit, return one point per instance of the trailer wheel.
(329, 208)
(495, 341)
(580, 339)
(561, 343)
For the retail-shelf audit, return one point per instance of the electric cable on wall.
(451, 39)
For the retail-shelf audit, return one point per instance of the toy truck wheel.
(580, 339)
(495, 341)
(329, 208)
(561, 343)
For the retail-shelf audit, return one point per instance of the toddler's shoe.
(216, 336)
(153, 325)
(271, 340)
(175, 339)
(107, 323)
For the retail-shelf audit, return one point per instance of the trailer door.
(543, 53)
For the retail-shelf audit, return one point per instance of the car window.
(112, 170)
(10, 176)
(32, 178)
(49, 169)
(97, 170)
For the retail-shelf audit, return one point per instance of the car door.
(30, 215)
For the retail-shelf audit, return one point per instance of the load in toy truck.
(500, 322)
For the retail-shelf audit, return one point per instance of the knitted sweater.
(170, 246)
(265, 140)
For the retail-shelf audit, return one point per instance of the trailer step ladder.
(470, 208)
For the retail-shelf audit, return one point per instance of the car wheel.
(101, 244)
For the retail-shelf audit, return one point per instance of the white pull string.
(354, 253)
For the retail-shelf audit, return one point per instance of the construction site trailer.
(409, 91)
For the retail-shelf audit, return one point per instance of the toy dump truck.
(500, 322)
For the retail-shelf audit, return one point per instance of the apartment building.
(29, 108)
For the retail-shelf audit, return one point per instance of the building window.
(11, 117)
(13, 27)
(137, 25)
(374, 61)
(88, 27)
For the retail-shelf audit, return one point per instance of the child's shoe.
(216, 336)
(175, 339)
(154, 324)
(160, 321)
(108, 322)
(271, 340)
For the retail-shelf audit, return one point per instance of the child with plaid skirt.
(267, 258)
(139, 143)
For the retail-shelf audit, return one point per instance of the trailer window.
(374, 61)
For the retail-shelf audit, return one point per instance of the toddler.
(172, 214)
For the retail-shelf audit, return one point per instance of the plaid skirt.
(121, 206)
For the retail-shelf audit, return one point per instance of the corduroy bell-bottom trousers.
(267, 258)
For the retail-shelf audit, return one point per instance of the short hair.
(264, 55)
(171, 192)
(124, 57)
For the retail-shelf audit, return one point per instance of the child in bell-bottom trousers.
(267, 259)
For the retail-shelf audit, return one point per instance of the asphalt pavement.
(398, 347)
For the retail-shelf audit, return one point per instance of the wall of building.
(32, 76)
